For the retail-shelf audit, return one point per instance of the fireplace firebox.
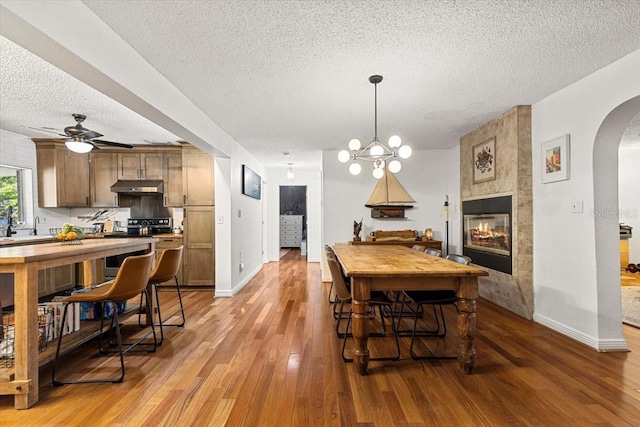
(486, 231)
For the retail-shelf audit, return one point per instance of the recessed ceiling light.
(286, 153)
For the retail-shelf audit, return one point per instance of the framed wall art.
(556, 159)
(484, 161)
(251, 183)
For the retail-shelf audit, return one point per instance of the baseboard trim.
(239, 286)
(596, 344)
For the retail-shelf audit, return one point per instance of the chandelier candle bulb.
(344, 156)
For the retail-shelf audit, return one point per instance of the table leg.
(360, 294)
(26, 333)
(467, 295)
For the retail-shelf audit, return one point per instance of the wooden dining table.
(398, 268)
(24, 262)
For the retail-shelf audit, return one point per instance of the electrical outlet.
(239, 213)
(220, 219)
(241, 267)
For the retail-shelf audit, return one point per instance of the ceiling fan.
(81, 139)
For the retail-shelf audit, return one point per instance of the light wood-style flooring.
(270, 357)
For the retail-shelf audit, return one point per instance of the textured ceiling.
(292, 75)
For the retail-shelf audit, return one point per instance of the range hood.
(137, 187)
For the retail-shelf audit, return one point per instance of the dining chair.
(433, 251)
(434, 298)
(378, 299)
(166, 270)
(131, 280)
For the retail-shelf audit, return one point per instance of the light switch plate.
(577, 206)
(220, 219)
(239, 213)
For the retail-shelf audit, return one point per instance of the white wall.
(565, 275)
(427, 176)
(311, 178)
(629, 195)
(239, 237)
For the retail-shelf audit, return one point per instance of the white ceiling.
(293, 75)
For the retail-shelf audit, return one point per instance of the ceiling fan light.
(344, 156)
(378, 173)
(355, 168)
(78, 146)
(395, 141)
(354, 144)
(394, 166)
(405, 152)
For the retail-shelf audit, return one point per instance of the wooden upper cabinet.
(63, 176)
(173, 191)
(104, 173)
(198, 178)
(138, 166)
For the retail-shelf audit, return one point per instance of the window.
(11, 194)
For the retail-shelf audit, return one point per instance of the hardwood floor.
(270, 357)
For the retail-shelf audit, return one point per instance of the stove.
(136, 226)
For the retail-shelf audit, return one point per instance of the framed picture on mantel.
(555, 159)
(484, 161)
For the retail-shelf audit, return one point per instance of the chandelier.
(376, 152)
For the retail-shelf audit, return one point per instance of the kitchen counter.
(25, 240)
(34, 240)
(24, 262)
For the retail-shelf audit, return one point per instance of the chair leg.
(339, 318)
(381, 334)
(181, 324)
(431, 333)
(57, 382)
(130, 346)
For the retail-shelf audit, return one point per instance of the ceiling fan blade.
(115, 144)
(47, 130)
(89, 134)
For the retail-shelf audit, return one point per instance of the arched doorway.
(605, 215)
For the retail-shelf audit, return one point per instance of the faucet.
(36, 221)
(10, 221)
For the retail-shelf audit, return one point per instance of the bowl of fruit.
(69, 234)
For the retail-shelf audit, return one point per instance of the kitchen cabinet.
(56, 279)
(198, 178)
(170, 243)
(63, 176)
(104, 172)
(199, 246)
(173, 189)
(137, 166)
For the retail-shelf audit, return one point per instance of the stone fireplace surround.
(513, 170)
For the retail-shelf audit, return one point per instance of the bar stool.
(165, 271)
(131, 280)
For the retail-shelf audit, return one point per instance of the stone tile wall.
(513, 164)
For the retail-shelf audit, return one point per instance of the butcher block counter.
(24, 262)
